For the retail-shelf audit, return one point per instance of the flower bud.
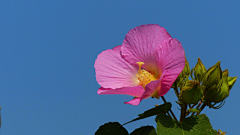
(199, 71)
(183, 75)
(212, 76)
(186, 70)
(218, 92)
(192, 92)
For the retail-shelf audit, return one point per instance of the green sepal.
(231, 81)
(153, 111)
(191, 93)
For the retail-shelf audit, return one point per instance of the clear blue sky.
(48, 50)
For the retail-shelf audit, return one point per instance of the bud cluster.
(207, 85)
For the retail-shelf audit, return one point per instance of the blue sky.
(48, 50)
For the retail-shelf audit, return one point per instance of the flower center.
(144, 77)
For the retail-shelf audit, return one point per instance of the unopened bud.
(191, 93)
(199, 71)
(212, 76)
(218, 92)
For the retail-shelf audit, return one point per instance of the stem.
(187, 113)
(183, 112)
(169, 114)
(197, 107)
(202, 107)
(181, 115)
(164, 100)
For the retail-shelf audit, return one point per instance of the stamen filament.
(140, 66)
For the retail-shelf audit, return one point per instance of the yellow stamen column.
(140, 66)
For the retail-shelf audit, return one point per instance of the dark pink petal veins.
(140, 45)
(171, 60)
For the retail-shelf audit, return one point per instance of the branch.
(164, 100)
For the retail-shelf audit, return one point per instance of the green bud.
(212, 76)
(186, 70)
(192, 92)
(224, 88)
(199, 71)
(218, 92)
(183, 76)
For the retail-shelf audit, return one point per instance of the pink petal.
(135, 91)
(134, 101)
(117, 48)
(112, 71)
(151, 88)
(171, 60)
(140, 45)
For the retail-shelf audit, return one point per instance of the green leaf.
(145, 130)
(154, 111)
(111, 128)
(195, 125)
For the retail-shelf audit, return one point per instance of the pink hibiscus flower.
(145, 65)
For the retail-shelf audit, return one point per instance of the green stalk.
(187, 113)
(202, 107)
(183, 112)
(199, 104)
(164, 100)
